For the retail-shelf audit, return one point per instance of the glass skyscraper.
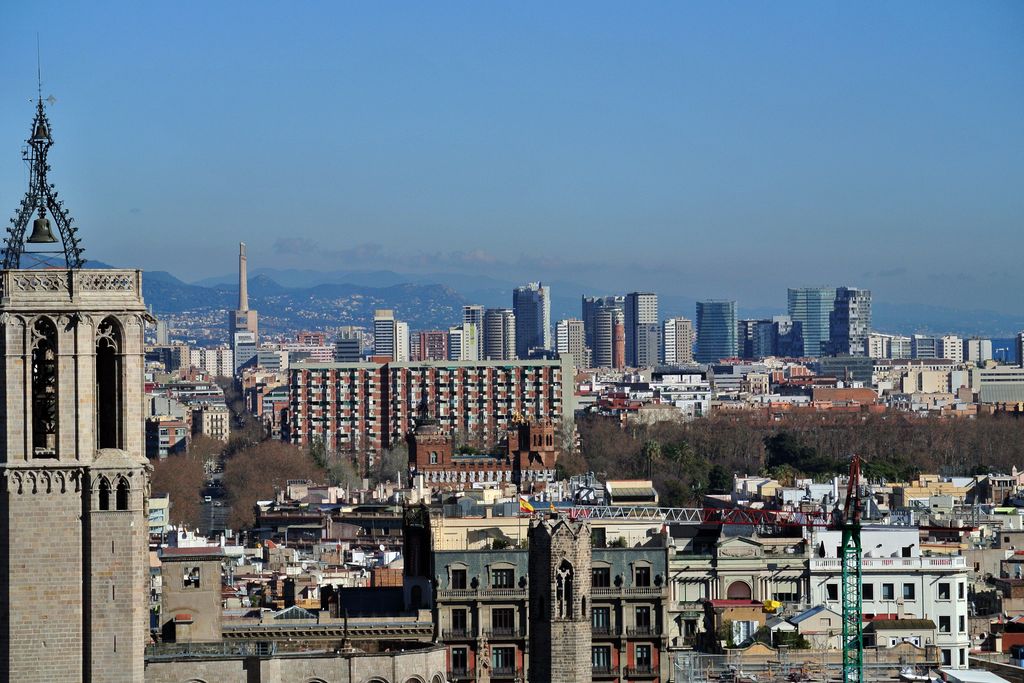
(531, 305)
(811, 307)
(716, 331)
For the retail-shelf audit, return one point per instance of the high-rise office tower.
(677, 341)
(474, 315)
(812, 308)
(589, 308)
(746, 331)
(1020, 349)
(850, 322)
(384, 333)
(455, 346)
(648, 345)
(570, 338)
(532, 306)
(348, 347)
(243, 319)
(716, 330)
(641, 308)
(789, 337)
(499, 334)
(244, 351)
(603, 329)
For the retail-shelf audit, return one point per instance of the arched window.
(44, 389)
(738, 590)
(109, 394)
(121, 501)
(104, 494)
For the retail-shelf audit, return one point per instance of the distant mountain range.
(292, 299)
(284, 309)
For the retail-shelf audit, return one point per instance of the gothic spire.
(40, 200)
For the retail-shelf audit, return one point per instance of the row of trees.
(688, 460)
(256, 467)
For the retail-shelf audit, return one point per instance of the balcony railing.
(646, 590)
(504, 672)
(504, 632)
(601, 670)
(457, 634)
(642, 631)
(466, 593)
(892, 563)
(641, 670)
(460, 675)
(604, 631)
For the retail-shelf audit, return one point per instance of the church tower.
(73, 519)
(560, 595)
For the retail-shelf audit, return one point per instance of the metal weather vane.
(40, 200)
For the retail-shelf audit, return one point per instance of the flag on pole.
(524, 505)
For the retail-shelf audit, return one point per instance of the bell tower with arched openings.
(560, 598)
(73, 517)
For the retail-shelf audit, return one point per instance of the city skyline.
(902, 131)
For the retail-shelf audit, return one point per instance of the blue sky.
(725, 149)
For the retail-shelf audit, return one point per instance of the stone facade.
(409, 666)
(73, 519)
(560, 596)
(190, 599)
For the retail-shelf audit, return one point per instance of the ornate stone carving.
(105, 282)
(21, 481)
(39, 282)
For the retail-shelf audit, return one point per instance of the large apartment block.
(367, 407)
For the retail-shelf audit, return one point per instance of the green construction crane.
(853, 630)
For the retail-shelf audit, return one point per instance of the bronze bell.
(40, 132)
(41, 233)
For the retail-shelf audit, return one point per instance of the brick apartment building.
(370, 406)
(527, 457)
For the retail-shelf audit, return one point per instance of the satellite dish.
(381, 546)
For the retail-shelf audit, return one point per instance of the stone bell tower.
(560, 598)
(74, 477)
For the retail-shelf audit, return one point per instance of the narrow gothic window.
(44, 389)
(109, 399)
(563, 590)
(121, 502)
(104, 494)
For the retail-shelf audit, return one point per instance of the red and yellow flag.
(524, 505)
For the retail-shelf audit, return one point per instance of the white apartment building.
(951, 347)
(899, 584)
(218, 362)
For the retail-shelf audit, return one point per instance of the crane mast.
(853, 629)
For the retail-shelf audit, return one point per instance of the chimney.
(243, 279)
